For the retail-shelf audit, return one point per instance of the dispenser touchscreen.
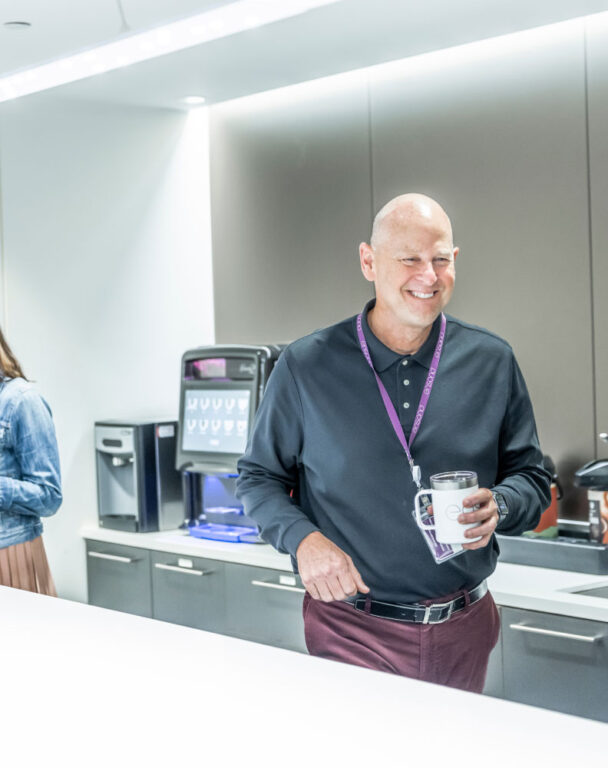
(216, 420)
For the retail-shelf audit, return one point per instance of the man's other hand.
(486, 515)
(326, 571)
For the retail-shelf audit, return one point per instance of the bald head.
(406, 211)
(411, 261)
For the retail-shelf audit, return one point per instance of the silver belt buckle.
(428, 608)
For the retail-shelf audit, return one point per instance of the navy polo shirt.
(323, 455)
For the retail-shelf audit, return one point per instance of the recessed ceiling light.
(17, 25)
(193, 100)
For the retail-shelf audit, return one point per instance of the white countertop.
(86, 686)
(179, 542)
(548, 590)
(515, 586)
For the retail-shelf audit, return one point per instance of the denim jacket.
(30, 483)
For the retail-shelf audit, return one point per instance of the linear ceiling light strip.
(212, 25)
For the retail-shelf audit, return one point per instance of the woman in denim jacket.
(30, 485)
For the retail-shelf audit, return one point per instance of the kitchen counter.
(180, 543)
(90, 686)
(548, 590)
(515, 586)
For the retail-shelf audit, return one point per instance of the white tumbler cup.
(447, 491)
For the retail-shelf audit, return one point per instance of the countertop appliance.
(138, 487)
(594, 477)
(585, 547)
(221, 389)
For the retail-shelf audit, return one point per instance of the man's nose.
(427, 273)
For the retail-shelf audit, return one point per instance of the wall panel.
(291, 200)
(499, 138)
(597, 47)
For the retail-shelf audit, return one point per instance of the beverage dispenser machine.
(221, 389)
(138, 488)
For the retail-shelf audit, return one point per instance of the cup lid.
(453, 481)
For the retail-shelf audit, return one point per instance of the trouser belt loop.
(467, 597)
(368, 604)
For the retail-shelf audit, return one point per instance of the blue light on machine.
(218, 491)
(234, 533)
(222, 517)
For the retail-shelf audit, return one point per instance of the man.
(326, 478)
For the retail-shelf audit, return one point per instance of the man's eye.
(409, 260)
(441, 260)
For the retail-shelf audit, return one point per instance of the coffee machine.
(594, 477)
(221, 389)
(138, 487)
(582, 545)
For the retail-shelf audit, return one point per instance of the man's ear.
(367, 259)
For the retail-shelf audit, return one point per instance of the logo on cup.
(452, 511)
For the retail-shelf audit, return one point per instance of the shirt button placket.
(405, 382)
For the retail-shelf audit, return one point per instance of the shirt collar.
(383, 357)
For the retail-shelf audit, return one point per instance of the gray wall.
(598, 134)
(291, 193)
(500, 137)
(502, 143)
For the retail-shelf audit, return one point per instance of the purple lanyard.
(424, 399)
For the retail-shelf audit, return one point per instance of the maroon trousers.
(453, 653)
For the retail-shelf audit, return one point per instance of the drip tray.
(562, 553)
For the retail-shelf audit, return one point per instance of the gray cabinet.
(265, 605)
(556, 662)
(259, 604)
(119, 577)
(189, 591)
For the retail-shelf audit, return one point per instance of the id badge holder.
(440, 552)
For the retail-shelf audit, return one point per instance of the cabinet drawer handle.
(554, 633)
(270, 585)
(179, 569)
(115, 558)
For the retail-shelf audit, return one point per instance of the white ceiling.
(60, 27)
(346, 35)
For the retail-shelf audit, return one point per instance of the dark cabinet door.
(189, 591)
(119, 577)
(265, 605)
(557, 662)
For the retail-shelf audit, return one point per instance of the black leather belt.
(417, 613)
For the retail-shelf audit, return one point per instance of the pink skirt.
(24, 566)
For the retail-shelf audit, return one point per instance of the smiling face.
(411, 262)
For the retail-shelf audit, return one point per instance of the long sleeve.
(37, 491)
(268, 471)
(524, 482)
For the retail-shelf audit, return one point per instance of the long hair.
(9, 365)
